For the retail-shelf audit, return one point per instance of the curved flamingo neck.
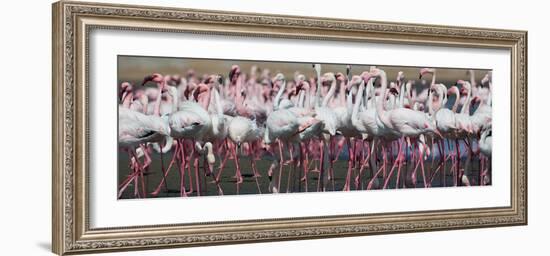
(430, 104)
(238, 89)
(342, 93)
(472, 77)
(156, 111)
(205, 100)
(318, 90)
(127, 99)
(384, 86)
(330, 93)
(402, 92)
(307, 97)
(433, 77)
(457, 99)
(277, 99)
(359, 98)
(466, 105)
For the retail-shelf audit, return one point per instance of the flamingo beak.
(122, 93)
(147, 79)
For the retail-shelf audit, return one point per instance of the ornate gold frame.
(72, 21)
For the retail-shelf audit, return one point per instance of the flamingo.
(407, 122)
(136, 128)
(243, 130)
(281, 125)
(191, 121)
(486, 148)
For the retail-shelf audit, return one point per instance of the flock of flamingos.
(385, 128)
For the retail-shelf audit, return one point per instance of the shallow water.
(227, 182)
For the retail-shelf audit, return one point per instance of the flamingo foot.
(239, 179)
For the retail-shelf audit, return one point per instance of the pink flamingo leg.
(165, 174)
(351, 155)
(458, 159)
(400, 158)
(253, 164)
(290, 171)
(238, 175)
(189, 165)
(421, 159)
(304, 161)
(226, 156)
(197, 176)
(414, 180)
(183, 191)
(281, 163)
(395, 163)
(383, 167)
(321, 177)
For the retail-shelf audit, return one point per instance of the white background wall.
(25, 128)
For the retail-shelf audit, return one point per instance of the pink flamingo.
(407, 122)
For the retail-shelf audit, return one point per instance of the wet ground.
(289, 179)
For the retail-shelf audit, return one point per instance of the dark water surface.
(248, 186)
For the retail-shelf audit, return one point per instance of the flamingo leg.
(421, 159)
(400, 158)
(132, 177)
(395, 163)
(290, 171)
(351, 156)
(304, 161)
(183, 191)
(238, 175)
(375, 176)
(253, 164)
(363, 163)
(162, 144)
(320, 179)
(458, 159)
(189, 166)
(175, 156)
(224, 161)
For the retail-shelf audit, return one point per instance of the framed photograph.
(181, 127)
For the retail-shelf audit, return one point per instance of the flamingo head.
(486, 79)
(278, 78)
(214, 80)
(400, 76)
(340, 77)
(376, 72)
(302, 85)
(234, 73)
(201, 89)
(185, 123)
(425, 71)
(394, 91)
(155, 77)
(327, 79)
(125, 88)
(453, 90)
(366, 76)
(354, 83)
